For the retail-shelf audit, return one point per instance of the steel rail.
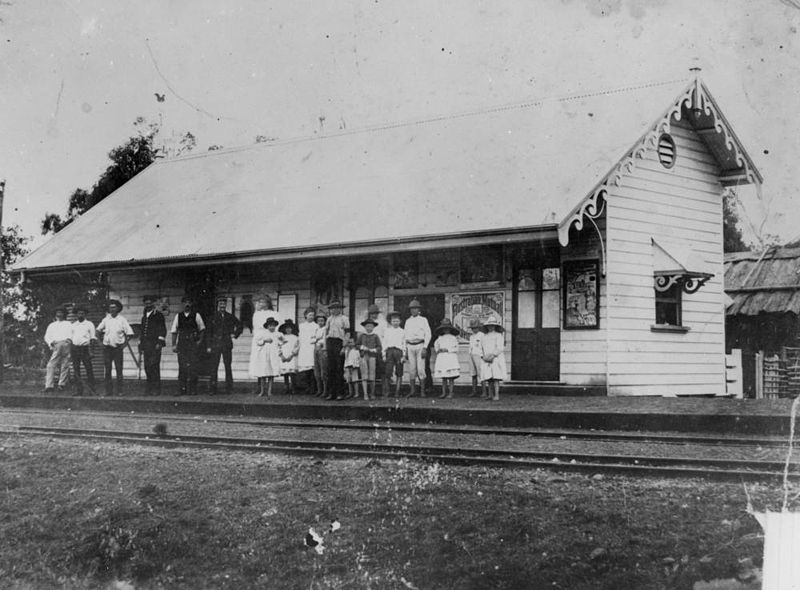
(559, 433)
(649, 465)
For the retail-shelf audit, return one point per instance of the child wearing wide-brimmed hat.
(446, 349)
(352, 367)
(494, 362)
(369, 345)
(269, 357)
(394, 352)
(475, 356)
(290, 346)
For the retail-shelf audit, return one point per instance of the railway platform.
(653, 414)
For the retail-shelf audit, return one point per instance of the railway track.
(665, 466)
(546, 433)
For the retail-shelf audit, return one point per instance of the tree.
(732, 238)
(127, 160)
(20, 307)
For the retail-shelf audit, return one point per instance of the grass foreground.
(81, 515)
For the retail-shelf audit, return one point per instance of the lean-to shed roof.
(520, 167)
(763, 284)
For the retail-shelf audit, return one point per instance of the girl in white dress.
(270, 354)
(306, 334)
(446, 348)
(290, 346)
(494, 361)
(258, 356)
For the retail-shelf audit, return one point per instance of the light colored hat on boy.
(335, 303)
(493, 321)
(414, 303)
(392, 314)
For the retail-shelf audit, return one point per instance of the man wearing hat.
(336, 332)
(82, 335)
(57, 338)
(116, 332)
(418, 336)
(221, 328)
(187, 334)
(152, 341)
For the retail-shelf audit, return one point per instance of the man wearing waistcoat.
(187, 334)
(153, 339)
(221, 328)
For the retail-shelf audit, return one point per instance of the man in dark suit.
(153, 339)
(221, 327)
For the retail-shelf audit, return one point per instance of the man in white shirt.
(418, 336)
(57, 339)
(82, 336)
(116, 332)
(187, 334)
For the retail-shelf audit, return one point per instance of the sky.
(76, 74)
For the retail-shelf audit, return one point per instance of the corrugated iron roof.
(511, 167)
(763, 284)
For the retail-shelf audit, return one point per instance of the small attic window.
(666, 150)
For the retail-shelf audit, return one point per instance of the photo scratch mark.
(178, 96)
(58, 99)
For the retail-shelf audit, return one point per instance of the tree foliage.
(20, 307)
(127, 160)
(733, 241)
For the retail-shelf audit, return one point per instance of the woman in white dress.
(259, 363)
(307, 334)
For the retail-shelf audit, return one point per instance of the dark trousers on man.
(80, 354)
(227, 358)
(188, 368)
(112, 355)
(335, 367)
(151, 359)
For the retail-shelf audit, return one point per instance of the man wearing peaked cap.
(222, 327)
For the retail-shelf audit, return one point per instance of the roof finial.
(697, 97)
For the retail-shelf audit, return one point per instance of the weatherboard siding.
(681, 204)
(583, 352)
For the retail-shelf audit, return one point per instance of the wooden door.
(433, 311)
(536, 318)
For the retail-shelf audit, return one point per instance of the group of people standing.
(71, 340)
(324, 356)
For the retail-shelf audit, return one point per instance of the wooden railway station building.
(591, 225)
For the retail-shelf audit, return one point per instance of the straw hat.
(414, 303)
(493, 321)
(447, 326)
(369, 321)
(271, 321)
(392, 314)
(335, 303)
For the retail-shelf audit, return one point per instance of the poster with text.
(581, 295)
(464, 307)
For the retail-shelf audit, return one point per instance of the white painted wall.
(681, 204)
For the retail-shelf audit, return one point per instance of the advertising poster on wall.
(581, 295)
(466, 306)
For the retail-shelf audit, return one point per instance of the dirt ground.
(89, 515)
